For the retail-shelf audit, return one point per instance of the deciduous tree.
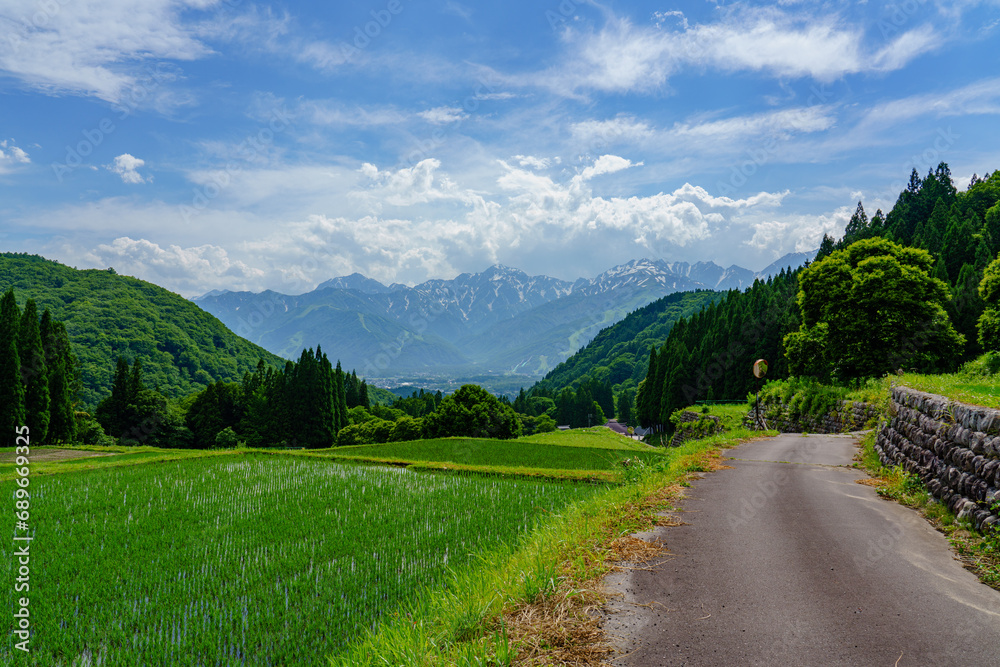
(870, 309)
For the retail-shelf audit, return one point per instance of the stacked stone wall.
(848, 416)
(689, 429)
(954, 448)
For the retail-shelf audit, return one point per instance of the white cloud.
(186, 270)
(600, 133)
(607, 164)
(11, 156)
(981, 97)
(906, 47)
(126, 166)
(326, 112)
(679, 218)
(797, 233)
(96, 47)
(443, 115)
(409, 186)
(780, 124)
(533, 162)
(782, 42)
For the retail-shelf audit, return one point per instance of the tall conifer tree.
(11, 385)
(341, 397)
(60, 363)
(34, 373)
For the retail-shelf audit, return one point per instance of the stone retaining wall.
(953, 447)
(687, 429)
(848, 416)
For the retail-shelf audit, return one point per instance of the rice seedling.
(249, 560)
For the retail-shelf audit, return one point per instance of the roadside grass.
(730, 415)
(979, 552)
(958, 387)
(977, 382)
(495, 455)
(530, 603)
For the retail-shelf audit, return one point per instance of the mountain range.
(500, 321)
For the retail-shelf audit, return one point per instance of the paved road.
(786, 561)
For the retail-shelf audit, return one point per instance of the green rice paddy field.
(263, 559)
(500, 454)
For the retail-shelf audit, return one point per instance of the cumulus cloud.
(11, 156)
(409, 186)
(607, 164)
(679, 218)
(415, 223)
(798, 233)
(126, 166)
(187, 270)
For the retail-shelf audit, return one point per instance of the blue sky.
(207, 144)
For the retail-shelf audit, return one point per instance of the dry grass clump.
(563, 627)
(559, 629)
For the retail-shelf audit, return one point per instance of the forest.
(919, 268)
(182, 348)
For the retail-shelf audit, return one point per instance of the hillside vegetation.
(620, 352)
(182, 348)
(710, 355)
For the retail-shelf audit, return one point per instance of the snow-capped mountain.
(496, 321)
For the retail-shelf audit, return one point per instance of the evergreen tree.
(930, 231)
(61, 365)
(857, 228)
(521, 403)
(135, 414)
(33, 373)
(363, 395)
(966, 307)
(341, 398)
(625, 407)
(351, 386)
(876, 226)
(11, 384)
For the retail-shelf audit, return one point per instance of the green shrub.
(802, 398)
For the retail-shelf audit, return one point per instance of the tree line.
(38, 374)
(310, 403)
(916, 275)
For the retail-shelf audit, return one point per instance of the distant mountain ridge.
(498, 321)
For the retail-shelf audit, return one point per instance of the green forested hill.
(182, 347)
(960, 230)
(620, 353)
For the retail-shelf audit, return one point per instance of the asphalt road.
(786, 561)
